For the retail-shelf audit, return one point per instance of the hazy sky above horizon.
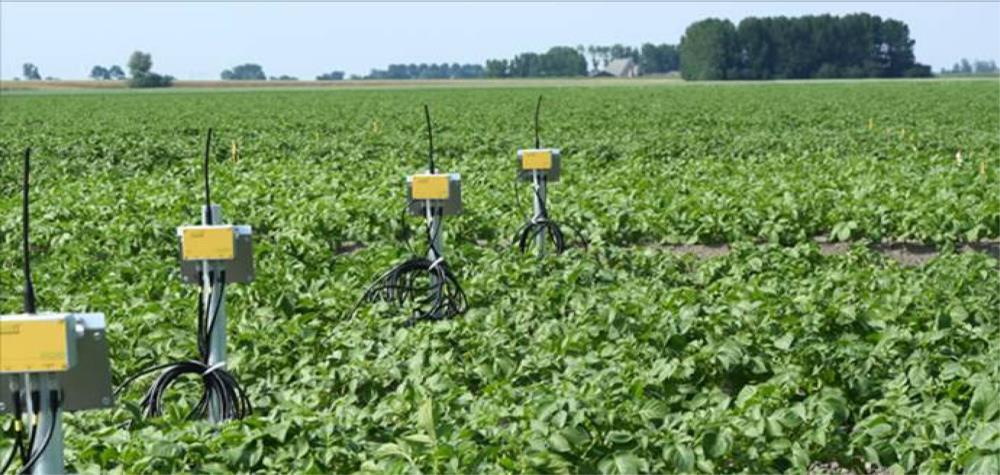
(199, 40)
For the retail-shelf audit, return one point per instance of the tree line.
(565, 61)
(975, 67)
(824, 46)
(427, 71)
(140, 67)
(255, 72)
(814, 46)
(110, 73)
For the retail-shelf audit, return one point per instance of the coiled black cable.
(217, 382)
(540, 224)
(428, 282)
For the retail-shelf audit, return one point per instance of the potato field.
(624, 354)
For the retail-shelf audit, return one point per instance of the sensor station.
(428, 282)
(212, 255)
(49, 363)
(539, 166)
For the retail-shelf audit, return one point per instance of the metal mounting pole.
(217, 340)
(51, 460)
(539, 202)
(437, 237)
(435, 222)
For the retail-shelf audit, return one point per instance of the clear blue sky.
(198, 40)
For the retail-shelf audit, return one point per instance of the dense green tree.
(622, 51)
(821, 46)
(497, 68)
(563, 61)
(100, 73)
(331, 76)
(116, 73)
(244, 72)
(139, 63)
(966, 66)
(985, 67)
(709, 50)
(151, 80)
(658, 59)
(758, 49)
(30, 72)
(526, 65)
(140, 66)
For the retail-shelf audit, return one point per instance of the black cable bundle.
(29, 456)
(539, 224)
(55, 400)
(18, 448)
(217, 383)
(430, 283)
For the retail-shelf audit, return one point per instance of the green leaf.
(800, 458)
(619, 437)
(984, 464)
(871, 455)
(987, 437)
(576, 436)
(985, 403)
(785, 342)
(626, 463)
(559, 443)
(425, 418)
(682, 458)
(422, 439)
(717, 444)
(391, 450)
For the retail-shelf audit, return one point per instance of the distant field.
(617, 357)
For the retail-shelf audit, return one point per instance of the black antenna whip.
(208, 189)
(29, 288)
(430, 139)
(538, 108)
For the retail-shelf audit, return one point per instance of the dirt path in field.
(907, 253)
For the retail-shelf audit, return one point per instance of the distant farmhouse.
(619, 68)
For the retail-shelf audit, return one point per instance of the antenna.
(208, 189)
(430, 139)
(29, 288)
(538, 108)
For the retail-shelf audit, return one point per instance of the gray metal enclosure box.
(551, 175)
(239, 269)
(86, 385)
(453, 205)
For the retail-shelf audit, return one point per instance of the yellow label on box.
(208, 243)
(430, 187)
(27, 346)
(536, 160)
